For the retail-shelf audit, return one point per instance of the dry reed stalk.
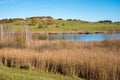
(91, 62)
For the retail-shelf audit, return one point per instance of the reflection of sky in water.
(85, 37)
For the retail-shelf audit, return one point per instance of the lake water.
(85, 37)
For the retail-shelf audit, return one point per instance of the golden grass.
(91, 61)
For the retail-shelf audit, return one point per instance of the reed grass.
(90, 61)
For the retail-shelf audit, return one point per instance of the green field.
(18, 74)
(82, 26)
(73, 26)
(57, 25)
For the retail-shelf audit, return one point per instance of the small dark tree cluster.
(10, 20)
(57, 26)
(117, 22)
(69, 19)
(60, 19)
(105, 21)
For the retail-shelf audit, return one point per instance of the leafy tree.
(105, 21)
(40, 25)
(63, 24)
(69, 19)
(60, 19)
(46, 26)
(57, 25)
(34, 21)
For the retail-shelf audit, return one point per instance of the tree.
(105, 21)
(1, 31)
(34, 21)
(57, 25)
(69, 19)
(63, 24)
(40, 25)
(60, 19)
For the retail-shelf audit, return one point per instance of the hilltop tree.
(69, 19)
(34, 21)
(60, 19)
(105, 21)
(4, 21)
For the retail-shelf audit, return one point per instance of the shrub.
(42, 37)
(40, 26)
(20, 42)
(27, 67)
(57, 26)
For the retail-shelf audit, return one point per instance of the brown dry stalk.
(91, 61)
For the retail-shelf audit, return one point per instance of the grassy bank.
(73, 26)
(91, 61)
(18, 74)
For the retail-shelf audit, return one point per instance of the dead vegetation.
(91, 61)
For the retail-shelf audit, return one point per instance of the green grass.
(75, 26)
(18, 74)
(68, 26)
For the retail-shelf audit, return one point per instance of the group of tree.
(31, 18)
(42, 17)
(105, 21)
(117, 22)
(45, 20)
(10, 20)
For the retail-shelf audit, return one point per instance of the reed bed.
(90, 61)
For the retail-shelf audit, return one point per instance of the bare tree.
(1, 32)
(27, 36)
(11, 34)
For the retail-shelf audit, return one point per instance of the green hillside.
(51, 24)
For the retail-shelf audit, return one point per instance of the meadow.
(73, 26)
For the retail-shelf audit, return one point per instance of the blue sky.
(90, 10)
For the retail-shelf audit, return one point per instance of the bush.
(26, 67)
(20, 42)
(57, 26)
(40, 26)
(42, 37)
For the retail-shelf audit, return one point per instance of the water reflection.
(85, 37)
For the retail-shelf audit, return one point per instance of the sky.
(89, 10)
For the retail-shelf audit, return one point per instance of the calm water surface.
(85, 37)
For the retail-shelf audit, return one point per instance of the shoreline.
(70, 32)
(76, 32)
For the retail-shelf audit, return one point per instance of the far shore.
(74, 32)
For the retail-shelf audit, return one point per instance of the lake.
(85, 37)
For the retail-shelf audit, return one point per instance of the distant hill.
(40, 22)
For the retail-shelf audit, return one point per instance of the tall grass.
(90, 61)
(11, 38)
